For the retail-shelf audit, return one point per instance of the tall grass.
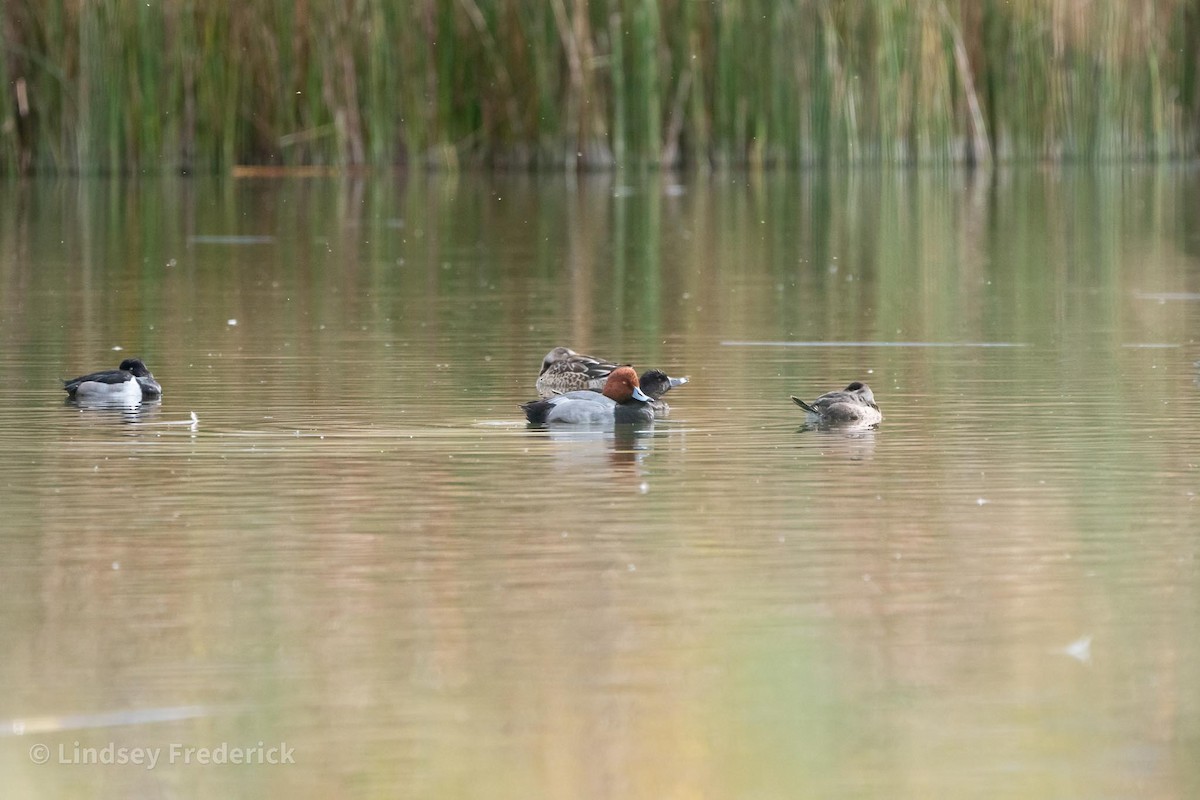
(187, 85)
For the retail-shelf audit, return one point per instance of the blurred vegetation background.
(98, 86)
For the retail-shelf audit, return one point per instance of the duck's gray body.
(854, 405)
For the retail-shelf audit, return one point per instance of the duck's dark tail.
(804, 405)
(536, 410)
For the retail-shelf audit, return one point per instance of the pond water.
(360, 555)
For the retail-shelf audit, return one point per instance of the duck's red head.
(622, 386)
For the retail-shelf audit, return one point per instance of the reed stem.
(114, 86)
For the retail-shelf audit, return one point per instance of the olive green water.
(360, 557)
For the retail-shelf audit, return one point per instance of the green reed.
(114, 86)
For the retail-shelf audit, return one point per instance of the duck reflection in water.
(585, 448)
(107, 409)
(852, 443)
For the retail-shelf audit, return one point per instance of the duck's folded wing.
(586, 395)
(112, 376)
(586, 365)
(829, 399)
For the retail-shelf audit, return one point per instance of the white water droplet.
(1080, 649)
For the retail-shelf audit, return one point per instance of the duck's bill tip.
(678, 382)
(638, 394)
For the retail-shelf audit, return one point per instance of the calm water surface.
(360, 551)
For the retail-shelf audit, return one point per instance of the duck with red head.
(564, 370)
(621, 401)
